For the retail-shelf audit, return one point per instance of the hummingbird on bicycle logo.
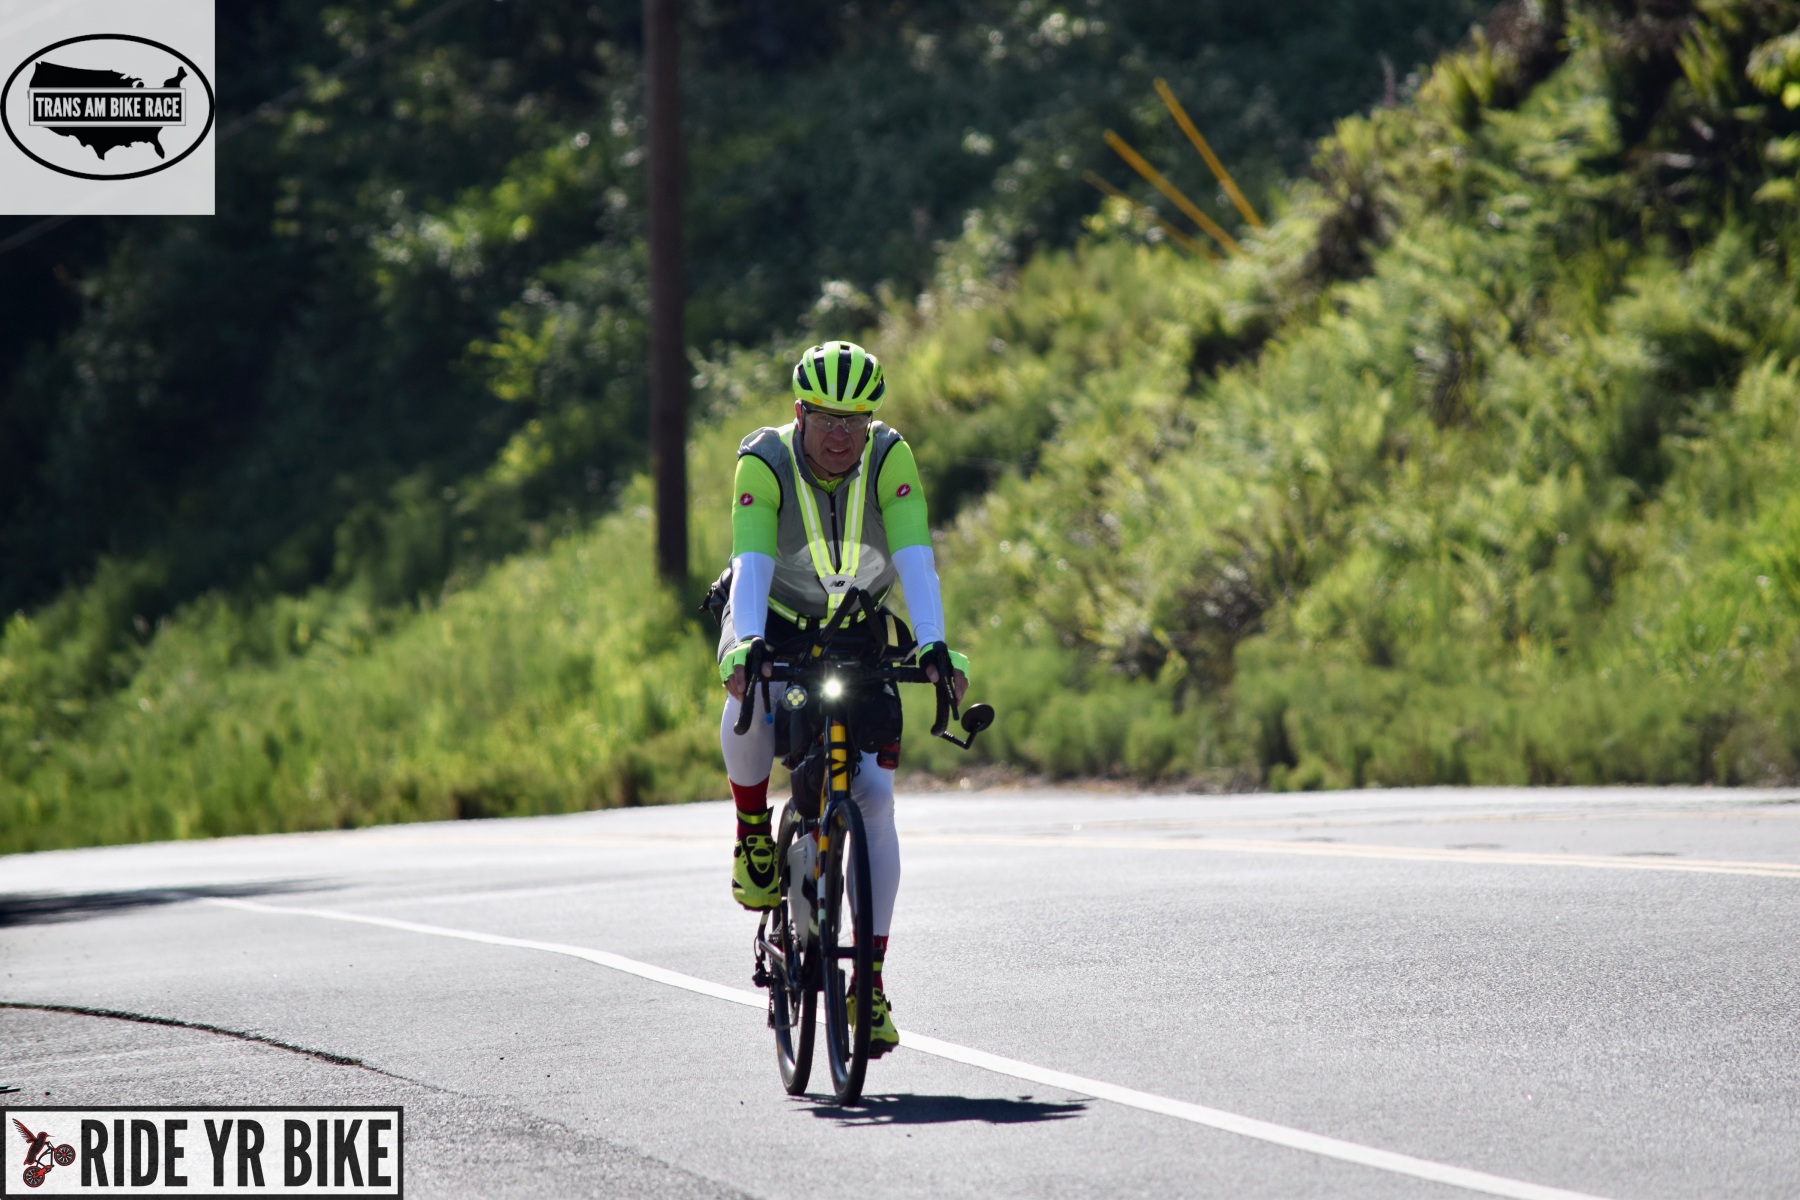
(40, 1157)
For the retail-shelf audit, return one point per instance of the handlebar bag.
(795, 731)
(808, 783)
(877, 719)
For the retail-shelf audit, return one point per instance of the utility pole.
(668, 288)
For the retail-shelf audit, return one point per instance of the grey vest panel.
(796, 582)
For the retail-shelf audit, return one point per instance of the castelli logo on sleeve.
(904, 489)
(746, 499)
(107, 106)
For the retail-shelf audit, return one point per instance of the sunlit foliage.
(1479, 465)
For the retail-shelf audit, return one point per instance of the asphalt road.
(1337, 995)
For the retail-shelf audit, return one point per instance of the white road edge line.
(1213, 1118)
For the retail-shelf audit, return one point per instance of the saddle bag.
(718, 596)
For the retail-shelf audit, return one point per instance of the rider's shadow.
(909, 1109)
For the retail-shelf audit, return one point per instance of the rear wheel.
(846, 949)
(792, 1001)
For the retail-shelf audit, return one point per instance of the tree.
(668, 352)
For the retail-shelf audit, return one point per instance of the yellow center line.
(1507, 858)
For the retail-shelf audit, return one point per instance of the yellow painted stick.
(1206, 152)
(1212, 227)
(1175, 235)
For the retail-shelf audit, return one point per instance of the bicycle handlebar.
(978, 717)
(788, 672)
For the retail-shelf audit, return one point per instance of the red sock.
(752, 802)
(880, 947)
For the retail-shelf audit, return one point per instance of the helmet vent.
(843, 374)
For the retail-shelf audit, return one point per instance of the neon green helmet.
(840, 376)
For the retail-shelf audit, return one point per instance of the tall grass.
(1514, 506)
(559, 683)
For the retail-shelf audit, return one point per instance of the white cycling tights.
(747, 761)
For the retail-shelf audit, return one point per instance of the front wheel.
(846, 939)
(792, 1001)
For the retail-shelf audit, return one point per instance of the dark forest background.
(419, 258)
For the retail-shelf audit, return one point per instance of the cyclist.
(828, 503)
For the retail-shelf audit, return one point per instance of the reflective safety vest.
(828, 541)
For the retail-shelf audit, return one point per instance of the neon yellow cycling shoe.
(882, 1035)
(753, 882)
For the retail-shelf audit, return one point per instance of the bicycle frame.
(803, 864)
(802, 951)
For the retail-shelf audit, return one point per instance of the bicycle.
(821, 858)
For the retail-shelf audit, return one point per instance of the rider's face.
(831, 447)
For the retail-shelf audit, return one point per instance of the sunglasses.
(844, 422)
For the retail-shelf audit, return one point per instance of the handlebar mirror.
(977, 717)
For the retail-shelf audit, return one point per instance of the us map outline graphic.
(101, 138)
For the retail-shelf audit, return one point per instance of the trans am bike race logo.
(40, 1156)
(107, 106)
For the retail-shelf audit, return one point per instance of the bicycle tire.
(846, 1045)
(792, 998)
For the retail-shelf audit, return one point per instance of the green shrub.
(1478, 466)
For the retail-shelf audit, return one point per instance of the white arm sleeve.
(924, 603)
(751, 574)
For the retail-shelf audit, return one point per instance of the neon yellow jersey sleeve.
(756, 507)
(902, 498)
